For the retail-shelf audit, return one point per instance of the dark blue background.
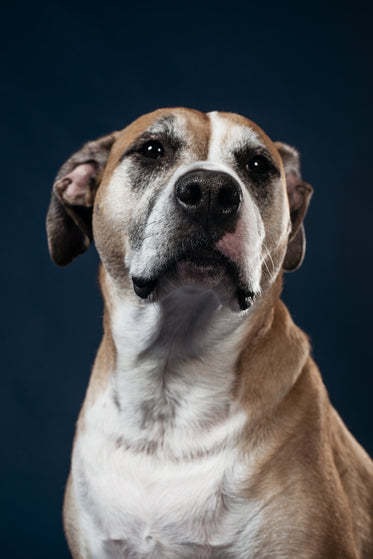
(72, 72)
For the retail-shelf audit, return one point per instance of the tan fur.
(304, 452)
(324, 476)
(314, 480)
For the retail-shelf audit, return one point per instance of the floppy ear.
(69, 217)
(299, 195)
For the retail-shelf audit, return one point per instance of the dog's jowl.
(206, 431)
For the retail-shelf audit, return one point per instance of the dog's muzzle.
(208, 205)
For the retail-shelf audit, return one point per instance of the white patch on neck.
(177, 494)
(167, 377)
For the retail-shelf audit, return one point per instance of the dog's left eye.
(152, 149)
(258, 165)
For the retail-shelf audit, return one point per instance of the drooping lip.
(202, 266)
(204, 272)
(206, 263)
(206, 268)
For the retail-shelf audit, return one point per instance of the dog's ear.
(69, 217)
(299, 195)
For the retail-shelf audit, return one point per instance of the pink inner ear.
(76, 187)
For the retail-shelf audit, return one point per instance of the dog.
(206, 431)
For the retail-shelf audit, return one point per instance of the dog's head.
(182, 199)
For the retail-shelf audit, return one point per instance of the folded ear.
(299, 195)
(69, 217)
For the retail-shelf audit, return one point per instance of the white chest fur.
(139, 504)
(157, 470)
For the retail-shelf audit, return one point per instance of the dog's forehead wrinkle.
(174, 126)
(163, 123)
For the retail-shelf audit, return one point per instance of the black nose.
(212, 198)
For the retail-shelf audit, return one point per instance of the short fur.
(206, 431)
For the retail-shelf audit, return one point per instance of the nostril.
(189, 193)
(228, 198)
(211, 198)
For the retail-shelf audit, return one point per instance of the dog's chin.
(211, 274)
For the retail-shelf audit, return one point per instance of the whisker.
(268, 255)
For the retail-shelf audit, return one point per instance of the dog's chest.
(144, 503)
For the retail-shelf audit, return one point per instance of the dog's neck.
(185, 325)
(186, 343)
(176, 366)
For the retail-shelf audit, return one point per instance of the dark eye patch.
(152, 155)
(257, 169)
(256, 161)
(153, 146)
(149, 148)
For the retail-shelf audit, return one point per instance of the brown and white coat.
(206, 431)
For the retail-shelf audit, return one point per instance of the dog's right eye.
(152, 149)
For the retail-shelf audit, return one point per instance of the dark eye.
(152, 149)
(258, 165)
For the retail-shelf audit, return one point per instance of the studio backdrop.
(73, 71)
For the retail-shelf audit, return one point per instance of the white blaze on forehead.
(227, 136)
